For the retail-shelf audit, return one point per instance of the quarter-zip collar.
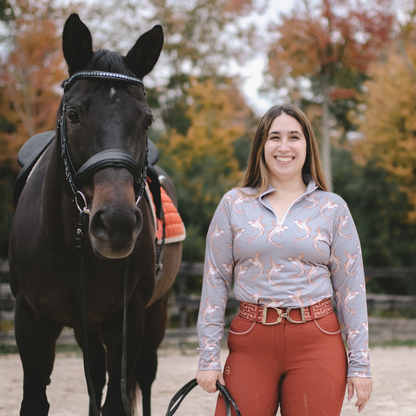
(311, 186)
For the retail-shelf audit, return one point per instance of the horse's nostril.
(114, 222)
(97, 225)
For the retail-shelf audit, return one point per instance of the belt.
(258, 313)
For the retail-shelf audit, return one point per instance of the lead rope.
(90, 387)
(123, 381)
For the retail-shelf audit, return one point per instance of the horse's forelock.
(109, 61)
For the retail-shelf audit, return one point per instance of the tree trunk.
(326, 143)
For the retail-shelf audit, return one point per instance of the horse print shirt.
(312, 254)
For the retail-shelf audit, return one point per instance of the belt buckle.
(279, 317)
(302, 313)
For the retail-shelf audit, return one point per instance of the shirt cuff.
(209, 359)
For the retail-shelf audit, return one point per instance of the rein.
(104, 159)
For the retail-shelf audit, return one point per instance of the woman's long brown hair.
(256, 174)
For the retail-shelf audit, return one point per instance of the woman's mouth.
(284, 159)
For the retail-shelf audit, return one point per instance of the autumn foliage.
(203, 159)
(326, 39)
(388, 125)
(30, 76)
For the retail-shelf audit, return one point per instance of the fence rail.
(188, 268)
(182, 304)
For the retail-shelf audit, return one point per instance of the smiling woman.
(285, 149)
(290, 245)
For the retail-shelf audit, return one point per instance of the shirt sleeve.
(348, 280)
(218, 272)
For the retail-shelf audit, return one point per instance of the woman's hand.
(363, 387)
(207, 379)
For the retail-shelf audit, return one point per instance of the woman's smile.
(285, 160)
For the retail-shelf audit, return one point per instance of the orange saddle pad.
(175, 228)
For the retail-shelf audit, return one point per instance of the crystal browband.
(101, 75)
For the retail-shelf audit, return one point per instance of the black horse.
(100, 116)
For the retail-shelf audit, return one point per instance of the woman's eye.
(73, 116)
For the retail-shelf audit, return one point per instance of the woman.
(288, 245)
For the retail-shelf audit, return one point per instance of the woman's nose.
(284, 146)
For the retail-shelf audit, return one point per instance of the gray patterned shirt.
(312, 254)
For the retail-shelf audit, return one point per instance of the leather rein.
(101, 160)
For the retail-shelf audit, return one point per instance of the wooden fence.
(182, 305)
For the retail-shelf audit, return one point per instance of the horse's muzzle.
(114, 230)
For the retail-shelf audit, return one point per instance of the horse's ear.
(76, 44)
(143, 56)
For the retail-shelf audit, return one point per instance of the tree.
(33, 69)
(388, 125)
(380, 211)
(203, 160)
(330, 44)
(197, 32)
(202, 39)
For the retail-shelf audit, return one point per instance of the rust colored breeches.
(300, 367)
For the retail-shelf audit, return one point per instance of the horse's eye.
(149, 122)
(73, 116)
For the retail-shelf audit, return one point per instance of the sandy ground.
(394, 372)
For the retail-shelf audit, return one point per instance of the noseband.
(114, 158)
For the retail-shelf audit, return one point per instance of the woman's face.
(285, 149)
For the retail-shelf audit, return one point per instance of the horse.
(103, 120)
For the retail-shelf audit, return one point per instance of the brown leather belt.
(259, 313)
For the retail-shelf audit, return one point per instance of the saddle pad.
(175, 229)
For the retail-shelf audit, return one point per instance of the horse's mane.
(109, 61)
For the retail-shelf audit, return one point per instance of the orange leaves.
(31, 74)
(319, 40)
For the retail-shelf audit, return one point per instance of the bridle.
(106, 158)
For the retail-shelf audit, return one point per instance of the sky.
(252, 71)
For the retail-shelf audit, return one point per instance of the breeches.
(301, 367)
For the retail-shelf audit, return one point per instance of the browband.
(102, 75)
